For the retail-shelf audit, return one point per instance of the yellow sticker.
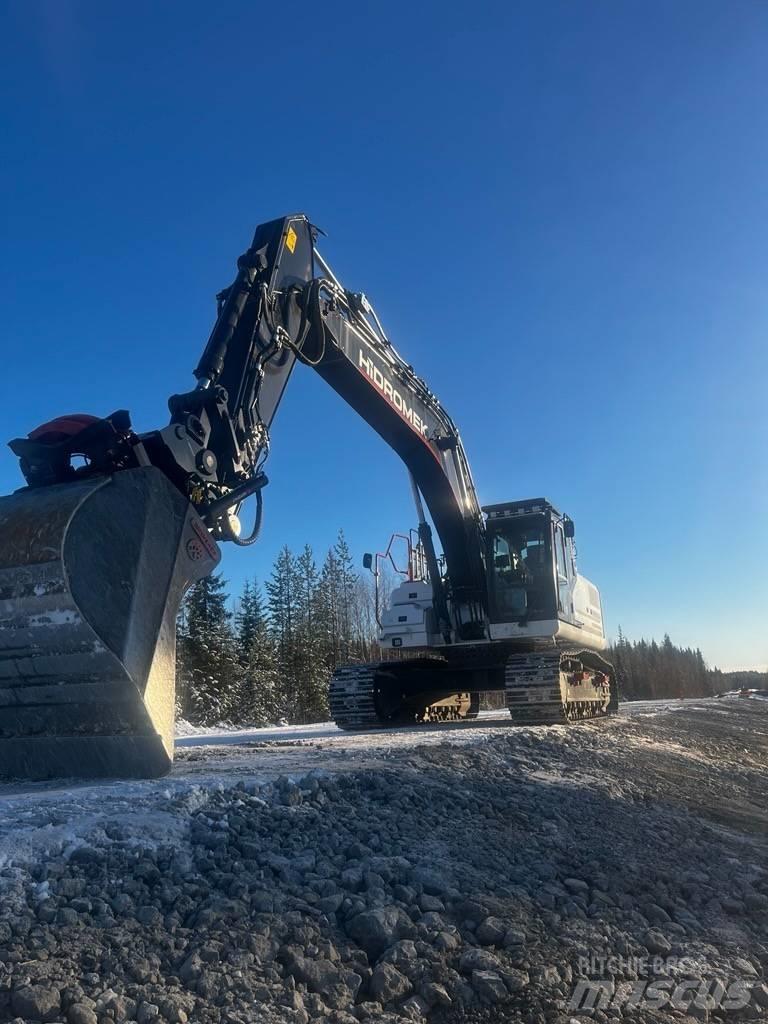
(290, 239)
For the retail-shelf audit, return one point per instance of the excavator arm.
(279, 311)
(113, 526)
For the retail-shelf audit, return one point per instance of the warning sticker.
(290, 239)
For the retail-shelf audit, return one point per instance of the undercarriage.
(539, 687)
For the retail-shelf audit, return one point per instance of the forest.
(266, 654)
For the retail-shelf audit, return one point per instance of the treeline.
(648, 670)
(739, 680)
(270, 658)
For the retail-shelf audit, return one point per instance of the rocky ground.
(481, 880)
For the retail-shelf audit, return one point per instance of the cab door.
(563, 574)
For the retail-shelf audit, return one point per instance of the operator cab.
(533, 586)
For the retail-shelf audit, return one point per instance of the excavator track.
(558, 686)
(351, 698)
(368, 697)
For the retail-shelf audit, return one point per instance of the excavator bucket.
(91, 577)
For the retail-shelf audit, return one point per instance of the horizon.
(556, 211)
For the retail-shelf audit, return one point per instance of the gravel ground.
(477, 874)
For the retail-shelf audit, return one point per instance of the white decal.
(374, 374)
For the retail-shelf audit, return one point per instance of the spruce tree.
(207, 667)
(328, 612)
(281, 600)
(345, 583)
(309, 669)
(261, 698)
(282, 603)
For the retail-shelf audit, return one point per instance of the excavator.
(97, 550)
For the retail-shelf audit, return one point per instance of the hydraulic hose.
(253, 536)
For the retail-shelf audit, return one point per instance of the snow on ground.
(52, 819)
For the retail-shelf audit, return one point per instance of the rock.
(388, 984)
(80, 1013)
(147, 1012)
(369, 1009)
(86, 855)
(414, 1009)
(434, 994)
(262, 902)
(760, 994)
(352, 879)
(656, 943)
(337, 986)
(330, 904)
(378, 929)
(140, 970)
(432, 882)
(432, 921)
(46, 912)
(405, 893)
(400, 953)
(744, 967)
(318, 975)
(150, 917)
(489, 987)
(491, 932)
(656, 914)
(470, 910)
(478, 960)
(39, 1002)
(548, 976)
(191, 969)
(357, 851)
(514, 937)
(446, 942)
(427, 903)
(576, 885)
(515, 980)
(290, 792)
(729, 906)
(173, 1012)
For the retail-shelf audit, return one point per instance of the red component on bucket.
(62, 427)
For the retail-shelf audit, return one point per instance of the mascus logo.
(375, 375)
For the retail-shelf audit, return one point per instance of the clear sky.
(559, 209)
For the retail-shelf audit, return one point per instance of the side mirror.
(569, 529)
(367, 560)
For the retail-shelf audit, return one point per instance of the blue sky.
(559, 210)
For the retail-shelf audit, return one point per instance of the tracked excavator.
(112, 526)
